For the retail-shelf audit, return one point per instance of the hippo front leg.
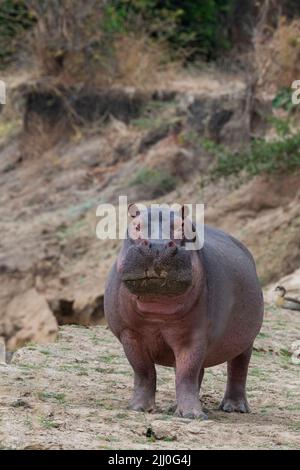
(189, 374)
(144, 372)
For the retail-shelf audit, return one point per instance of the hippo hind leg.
(235, 395)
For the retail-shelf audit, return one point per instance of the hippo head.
(154, 260)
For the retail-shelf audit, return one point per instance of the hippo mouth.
(156, 285)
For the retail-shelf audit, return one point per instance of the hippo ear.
(133, 211)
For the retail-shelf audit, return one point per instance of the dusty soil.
(74, 394)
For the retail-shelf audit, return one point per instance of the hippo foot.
(195, 412)
(230, 405)
(142, 406)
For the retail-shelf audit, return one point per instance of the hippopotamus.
(186, 309)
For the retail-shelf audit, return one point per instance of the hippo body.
(214, 317)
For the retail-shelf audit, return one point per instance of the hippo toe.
(240, 406)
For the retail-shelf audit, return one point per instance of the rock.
(28, 318)
(163, 430)
(84, 308)
(224, 118)
(198, 427)
(153, 136)
(53, 107)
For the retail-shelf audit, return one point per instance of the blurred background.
(186, 101)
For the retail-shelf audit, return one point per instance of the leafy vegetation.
(262, 157)
(200, 25)
(15, 19)
(283, 99)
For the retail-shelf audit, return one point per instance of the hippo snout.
(157, 268)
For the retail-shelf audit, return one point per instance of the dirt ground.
(73, 394)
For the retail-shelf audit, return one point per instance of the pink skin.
(215, 320)
(152, 317)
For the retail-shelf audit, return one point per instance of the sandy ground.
(74, 393)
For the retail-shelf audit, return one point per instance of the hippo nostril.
(171, 247)
(144, 246)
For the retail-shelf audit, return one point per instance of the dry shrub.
(141, 62)
(65, 36)
(72, 46)
(277, 55)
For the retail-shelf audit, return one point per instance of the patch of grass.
(262, 335)
(30, 366)
(45, 352)
(104, 404)
(108, 359)
(295, 407)
(285, 353)
(256, 372)
(121, 416)
(72, 231)
(154, 182)
(60, 397)
(257, 353)
(48, 423)
(190, 138)
(169, 439)
(9, 128)
(104, 371)
(295, 426)
(82, 372)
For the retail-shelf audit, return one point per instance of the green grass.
(295, 426)
(47, 423)
(108, 359)
(9, 129)
(45, 352)
(169, 439)
(256, 372)
(262, 335)
(60, 397)
(104, 404)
